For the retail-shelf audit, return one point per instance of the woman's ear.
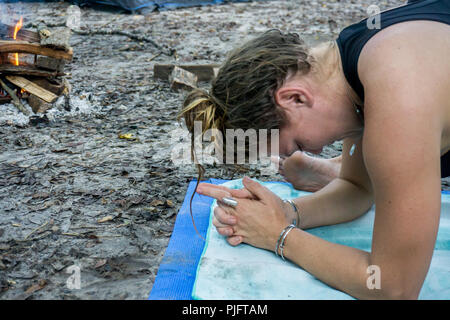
(293, 97)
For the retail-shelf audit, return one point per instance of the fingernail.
(237, 240)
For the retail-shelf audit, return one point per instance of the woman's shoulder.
(413, 45)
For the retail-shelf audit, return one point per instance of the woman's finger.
(257, 189)
(241, 193)
(213, 191)
(237, 193)
(235, 240)
(227, 232)
(223, 217)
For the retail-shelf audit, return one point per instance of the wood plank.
(55, 86)
(58, 38)
(32, 88)
(181, 79)
(22, 34)
(50, 63)
(204, 72)
(25, 70)
(38, 105)
(34, 48)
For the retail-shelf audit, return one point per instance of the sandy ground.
(58, 179)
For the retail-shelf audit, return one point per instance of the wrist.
(279, 248)
(292, 212)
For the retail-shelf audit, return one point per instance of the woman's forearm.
(338, 202)
(339, 266)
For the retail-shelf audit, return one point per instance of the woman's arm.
(405, 96)
(402, 156)
(344, 199)
(405, 172)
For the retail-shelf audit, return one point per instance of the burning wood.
(32, 88)
(34, 48)
(15, 99)
(25, 70)
(31, 66)
(58, 39)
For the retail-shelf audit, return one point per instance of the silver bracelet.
(295, 222)
(282, 238)
(290, 227)
(278, 241)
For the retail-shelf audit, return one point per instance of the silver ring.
(229, 201)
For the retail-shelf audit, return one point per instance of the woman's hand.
(222, 220)
(257, 219)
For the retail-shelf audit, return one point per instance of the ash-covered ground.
(72, 192)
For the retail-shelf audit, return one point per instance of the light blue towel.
(246, 272)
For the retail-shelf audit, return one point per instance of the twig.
(126, 34)
(71, 234)
(135, 37)
(38, 228)
(154, 56)
(97, 236)
(15, 99)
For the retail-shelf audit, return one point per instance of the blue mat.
(177, 271)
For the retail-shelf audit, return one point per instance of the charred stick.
(15, 99)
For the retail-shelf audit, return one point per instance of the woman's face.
(318, 113)
(308, 129)
(292, 140)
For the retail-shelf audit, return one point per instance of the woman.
(384, 92)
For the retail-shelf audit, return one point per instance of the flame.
(16, 29)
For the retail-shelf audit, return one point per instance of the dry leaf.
(127, 136)
(156, 203)
(36, 287)
(169, 203)
(105, 219)
(100, 263)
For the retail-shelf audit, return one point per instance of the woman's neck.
(329, 72)
(328, 67)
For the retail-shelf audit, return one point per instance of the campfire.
(32, 66)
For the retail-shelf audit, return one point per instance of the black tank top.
(352, 39)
